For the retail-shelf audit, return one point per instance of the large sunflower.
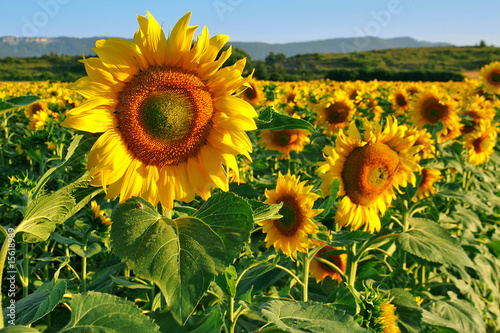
(432, 106)
(291, 232)
(481, 142)
(167, 112)
(369, 170)
(490, 77)
(285, 141)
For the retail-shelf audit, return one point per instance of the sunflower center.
(292, 216)
(164, 115)
(401, 100)
(495, 77)
(337, 113)
(433, 111)
(481, 144)
(283, 138)
(250, 93)
(368, 171)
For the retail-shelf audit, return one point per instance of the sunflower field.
(164, 192)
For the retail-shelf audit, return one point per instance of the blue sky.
(458, 22)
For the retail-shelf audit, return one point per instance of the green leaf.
(283, 122)
(36, 305)
(410, 314)
(18, 329)
(42, 215)
(330, 201)
(98, 312)
(343, 238)
(455, 314)
(184, 255)
(429, 241)
(91, 250)
(22, 100)
(263, 211)
(298, 317)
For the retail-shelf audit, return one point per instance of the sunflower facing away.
(167, 113)
(369, 170)
(291, 232)
(320, 270)
(285, 141)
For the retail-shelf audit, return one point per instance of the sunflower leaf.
(427, 240)
(263, 211)
(22, 100)
(98, 312)
(298, 317)
(283, 122)
(184, 255)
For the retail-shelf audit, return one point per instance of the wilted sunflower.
(335, 112)
(490, 76)
(432, 106)
(369, 170)
(320, 270)
(285, 141)
(291, 232)
(387, 319)
(426, 186)
(481, 142)
(167, 114)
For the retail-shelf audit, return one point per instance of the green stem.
(232, 322)
(152, 293)
(291, 273)
(305, 276)
(84, 271)
(352, 264)
(26, 276)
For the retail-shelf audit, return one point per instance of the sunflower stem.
(406, 226)
(352, 264)
(305, 276)
(26, 278)
(291, 274)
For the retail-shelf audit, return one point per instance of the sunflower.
(432, 106)
(285, 141)
(387, 319)
(477, 108)
(481, 142)
(167, 113)
(400, 101)
(38, 119)
(426, 186)
(320, 270)
(369, 170)
(99, 214)
(490, 76)
(424, 139)
(254, 93)
(291, 232)
(335, 112)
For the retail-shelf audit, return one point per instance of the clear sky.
(460, 22)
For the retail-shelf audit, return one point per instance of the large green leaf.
(427, 240)
(280, 121)
(98, 312)
(22, 100)
(42, 214)
(36, 305)
(184, 255)
(455, 314)
(298, 317)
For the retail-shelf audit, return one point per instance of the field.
(170, 194)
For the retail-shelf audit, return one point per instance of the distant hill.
(258, 51)
(37, 46)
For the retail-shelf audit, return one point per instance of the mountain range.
(36, 46)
